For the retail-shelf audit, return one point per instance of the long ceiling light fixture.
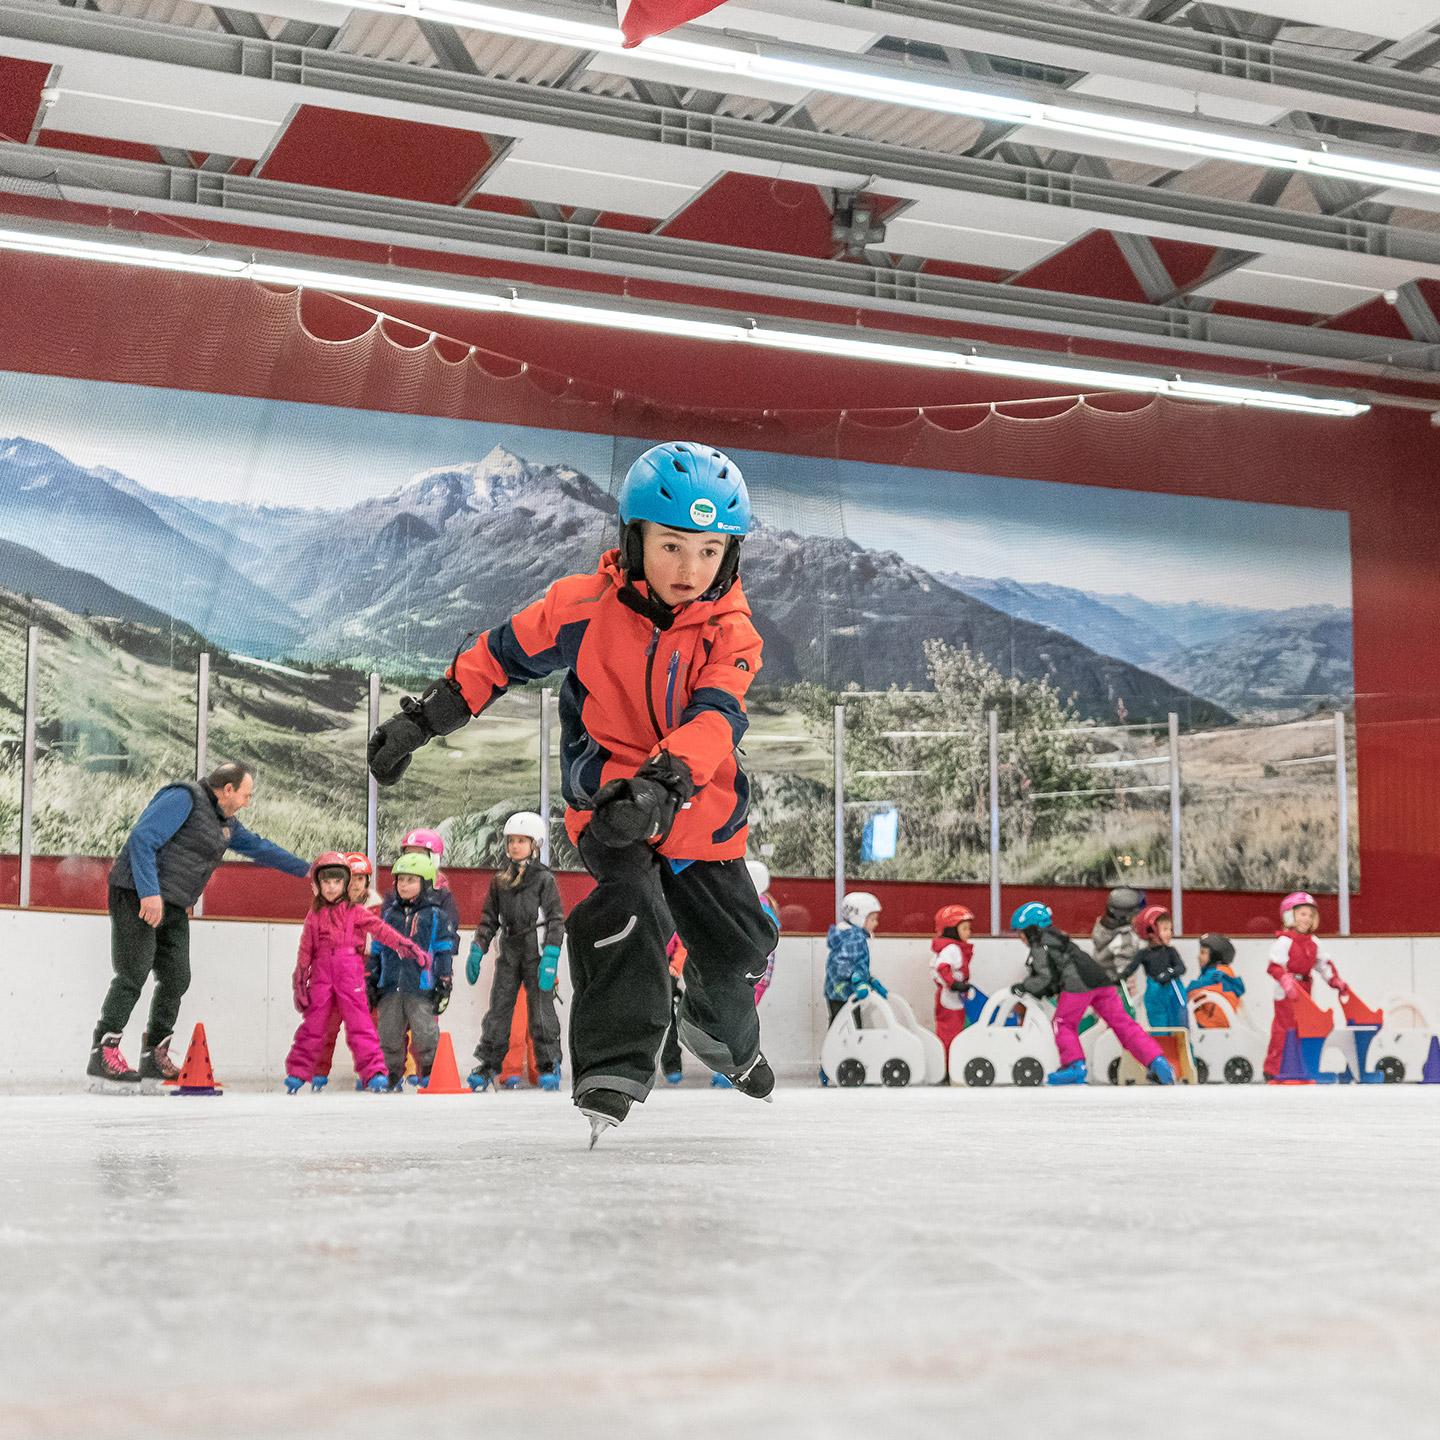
(865, 78)
(376, 284)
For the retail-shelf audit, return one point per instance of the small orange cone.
(444, 1075)
(519, 1064)
(196, 1075)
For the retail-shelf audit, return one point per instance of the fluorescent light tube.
(850, 347)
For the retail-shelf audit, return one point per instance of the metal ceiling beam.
(900, 289)
(636, 131)
(1245, 68)
(507, 293)
(1416, 314)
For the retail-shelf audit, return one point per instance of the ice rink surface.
(873, 1264)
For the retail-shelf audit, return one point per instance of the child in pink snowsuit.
(1058, 966)
(330, 970)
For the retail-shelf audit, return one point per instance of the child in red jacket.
(658, 651)
(950, 969)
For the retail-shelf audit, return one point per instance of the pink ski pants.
(337, 979)
(1106, 1003)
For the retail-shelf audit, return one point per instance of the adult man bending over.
(176, 846)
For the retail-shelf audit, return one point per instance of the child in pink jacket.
(330, 970)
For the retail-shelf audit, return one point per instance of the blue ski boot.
(378, 1084)
(480, 1079)
(319, 1082)
(1075, 1073)
(674, 1077)
(1162, 1072)
(513, 1082)
(293, 1084)
(721, 1082)
(550, 1079)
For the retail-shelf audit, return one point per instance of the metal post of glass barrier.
(372, 790)
(1342, 810)
(1177, 918)
(202, 733)
(839, 810)
(545, 774)
(994, 721)
(27, 760)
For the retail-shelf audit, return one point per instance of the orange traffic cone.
(444, 1075)
(196, 1075)
(519, 1064)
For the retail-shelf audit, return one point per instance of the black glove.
(1018, 990)
(443, 986)
(439, 711)
(372, 991)
(644, 807)
(959, 987)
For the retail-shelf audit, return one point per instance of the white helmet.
(528, 824)
(760, 874)
(858, 906)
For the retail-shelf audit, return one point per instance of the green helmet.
(425, 866)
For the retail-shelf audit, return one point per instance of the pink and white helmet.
(1291, 902)
(427, 840)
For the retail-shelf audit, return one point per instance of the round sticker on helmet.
(702, 511)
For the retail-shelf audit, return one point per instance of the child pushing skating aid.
(1294, 958)
(951, 953)
(1059, 967)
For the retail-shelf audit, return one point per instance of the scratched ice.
(939, 1263)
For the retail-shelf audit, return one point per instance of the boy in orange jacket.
(659, 652)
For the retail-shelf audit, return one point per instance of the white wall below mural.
(57, 967)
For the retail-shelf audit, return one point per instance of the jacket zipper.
(650, 681)
(670, 690)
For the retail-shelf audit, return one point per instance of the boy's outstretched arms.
(439, 711)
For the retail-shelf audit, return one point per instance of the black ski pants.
(135, 950)
(621, 1007)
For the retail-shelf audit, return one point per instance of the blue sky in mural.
(1104, 541)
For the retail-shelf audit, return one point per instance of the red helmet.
(328, 860)
(359, 864)
(1148, 919)
(948, 915)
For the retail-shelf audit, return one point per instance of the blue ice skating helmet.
(1032, 915)
(687, 487)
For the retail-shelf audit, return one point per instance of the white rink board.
(54, 969)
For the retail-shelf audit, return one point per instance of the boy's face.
(681, 565)
(1164, 931)
(332, 886)
(407, 887)
(964, 928)
(1307, 919)
(1204, 957)
(519, 847)
(359, 889)
(872, 922)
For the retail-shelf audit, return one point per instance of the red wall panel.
(1383, 468)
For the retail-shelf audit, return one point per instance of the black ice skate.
(156, 1066)
(757, 1080)
(604, 1109)
(108, 1071)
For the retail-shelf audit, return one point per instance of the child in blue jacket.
(411, 998)
(847, 970)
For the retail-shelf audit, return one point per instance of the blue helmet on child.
(684, 486)
(1032, 915)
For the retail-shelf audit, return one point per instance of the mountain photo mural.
(307, 546)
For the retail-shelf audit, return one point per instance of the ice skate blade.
(99, 1086)
(154, 1087)
(599, 1124)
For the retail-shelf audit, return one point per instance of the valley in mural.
(304, 547)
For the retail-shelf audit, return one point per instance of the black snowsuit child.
(523, 908)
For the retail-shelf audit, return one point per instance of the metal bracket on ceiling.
(853, 223)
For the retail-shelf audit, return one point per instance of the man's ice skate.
(156, 1066)
(757, 1080)
(108, 1072)
(604, 1109)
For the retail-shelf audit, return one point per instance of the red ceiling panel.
(21, 82)
(1186, 263)
(1091, 265)
(378, 155)
(956, 271)
(1375, 317)
(757, 213)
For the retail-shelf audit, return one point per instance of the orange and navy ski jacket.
(632, 690)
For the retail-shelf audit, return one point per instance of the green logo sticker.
(703, 512)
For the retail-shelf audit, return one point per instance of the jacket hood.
(695, 612)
